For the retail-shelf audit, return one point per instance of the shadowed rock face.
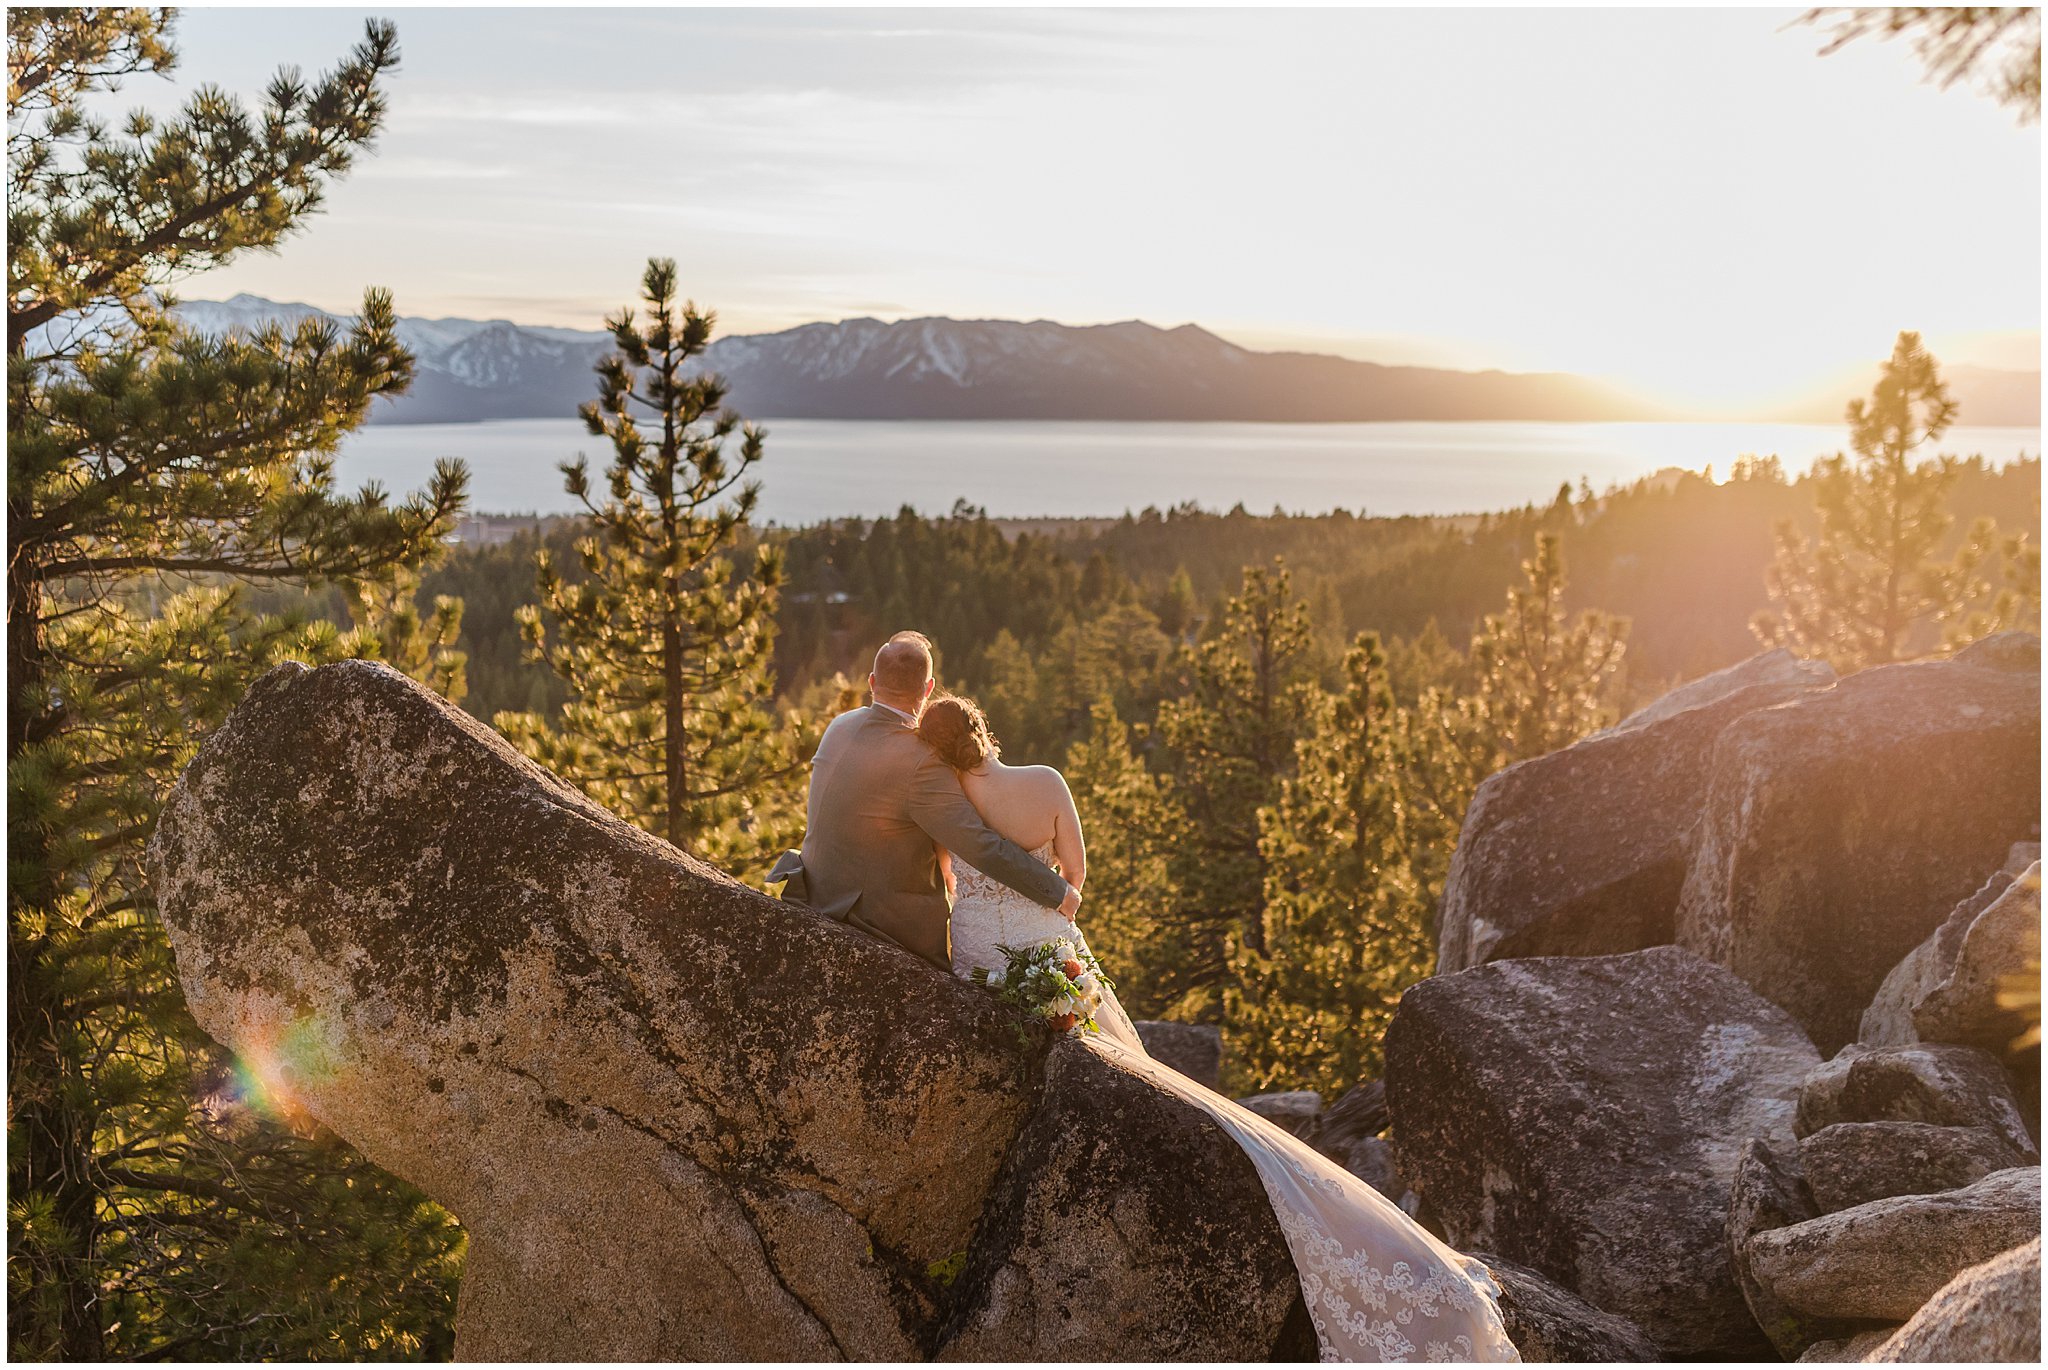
(679, 1120)
(1841, 828)
(1932, 966)
(1584, 1116)
(1582, 852)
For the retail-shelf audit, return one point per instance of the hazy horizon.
(1679, 203)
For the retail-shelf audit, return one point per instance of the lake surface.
(816, 469)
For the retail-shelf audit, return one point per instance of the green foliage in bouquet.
(1056, 981)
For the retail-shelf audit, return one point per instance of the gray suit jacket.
(880, 799)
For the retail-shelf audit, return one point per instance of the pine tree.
(667, 650)
(150, 473)
(1125, 820)
(1541, 681)
(1859, 592)
(1346, 920)
(1228, 743)
(387, 610)
(2015, 603)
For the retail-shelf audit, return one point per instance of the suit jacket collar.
(890, 711)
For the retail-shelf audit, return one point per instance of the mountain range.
(939, 368)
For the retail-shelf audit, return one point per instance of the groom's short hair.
(904, 664)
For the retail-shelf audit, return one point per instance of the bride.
(1378, 1287)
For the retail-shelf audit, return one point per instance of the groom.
(881, 805)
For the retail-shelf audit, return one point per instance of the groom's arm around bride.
(882, 804)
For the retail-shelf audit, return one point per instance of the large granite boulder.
(1931, 966)
(1582, 852)
(1052, 1266)
(1882, 1260)
(1853, 1163)
(1585, 1116)
(679, 1120)
(1842, 827)
(1549, 1324)
(1990, 1312)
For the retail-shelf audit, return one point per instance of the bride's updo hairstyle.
(957, 730)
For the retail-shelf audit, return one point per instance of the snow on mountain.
(952, 368)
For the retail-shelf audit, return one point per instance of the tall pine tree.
(1226, 746)
(153, 1214)
(667, 649)
(1864, 592)
(1540, 680)
(1347, 921)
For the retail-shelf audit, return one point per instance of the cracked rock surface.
(678, 1119)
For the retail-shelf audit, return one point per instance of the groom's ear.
(929, 683)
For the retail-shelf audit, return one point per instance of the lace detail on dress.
(1354, 1299)
(970, 886)
(1377, 1286)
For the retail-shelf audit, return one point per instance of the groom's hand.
(1070, 905)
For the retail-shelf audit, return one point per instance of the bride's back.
(1023, 803)
(1030, 805)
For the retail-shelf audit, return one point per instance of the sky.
(1692, 204)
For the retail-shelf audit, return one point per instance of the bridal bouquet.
(1055, 980)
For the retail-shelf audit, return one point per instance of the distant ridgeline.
(997, 369)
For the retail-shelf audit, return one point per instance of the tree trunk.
(51, 1139)
(675, 742)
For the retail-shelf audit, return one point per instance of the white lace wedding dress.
(1378, 1287)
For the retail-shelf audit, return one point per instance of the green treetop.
(666, 648)
(1347, 924)
(1540, 680)
(1227, 745)
(1867, 590)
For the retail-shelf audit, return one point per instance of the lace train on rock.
(1378, 1287)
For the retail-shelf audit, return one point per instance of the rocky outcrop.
(1068, 1257)
(1990, 1312)
(1888, 1021)
(1853, 1163)
(1348, 1132)
(1883, 1260)
(1193, 1049)
(1582, 852)
(1360, 1112)
(1820, 1094)
(1585, 1117)
(2000, 942)
(1548, 1324)
(1880, 803)
(1949, 1086)
(678, 1119)
(1769, 1192)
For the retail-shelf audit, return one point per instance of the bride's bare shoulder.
(1045, 779)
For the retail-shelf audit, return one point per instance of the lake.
(817, 469)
